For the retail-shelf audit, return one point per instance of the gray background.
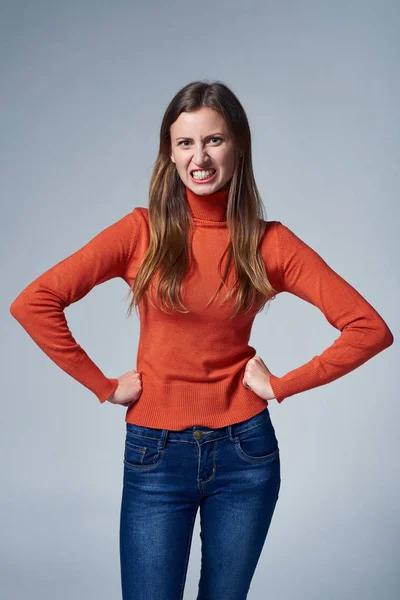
(84, 86)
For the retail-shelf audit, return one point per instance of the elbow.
(384, 337)
(15, 308)
(19, 308)
(388, 338)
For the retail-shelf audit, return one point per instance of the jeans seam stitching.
(187, 555)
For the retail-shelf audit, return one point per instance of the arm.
(39, 308)
(302, 272)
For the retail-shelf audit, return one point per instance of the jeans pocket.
(257, 444)
(141, 453)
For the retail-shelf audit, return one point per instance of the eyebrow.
(207, 136)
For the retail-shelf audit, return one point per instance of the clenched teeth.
(203, 174)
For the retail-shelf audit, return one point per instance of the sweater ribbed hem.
(177, 407)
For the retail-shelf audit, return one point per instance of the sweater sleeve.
(39, 308)
(302, 272)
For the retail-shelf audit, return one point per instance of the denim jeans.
(231, 473)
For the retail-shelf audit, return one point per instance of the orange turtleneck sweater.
(192, 365)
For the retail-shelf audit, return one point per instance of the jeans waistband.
(206, 434)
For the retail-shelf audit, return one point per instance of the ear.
(172, 157)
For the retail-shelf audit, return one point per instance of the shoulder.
(141, 212)
(134, 221)
(140, 216)
(270, 232)
(126, 232)
(279, 235)
(281, 250)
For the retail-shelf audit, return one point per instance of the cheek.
(227, 159)
(178, 165)
(182, 169)
(229, 164)
(181, 162)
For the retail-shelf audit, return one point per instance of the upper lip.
(204, 169)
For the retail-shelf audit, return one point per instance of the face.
(200, 140)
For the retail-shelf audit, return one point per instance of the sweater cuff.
(106, 392)
(276, 387)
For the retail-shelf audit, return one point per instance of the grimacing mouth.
(197, 170)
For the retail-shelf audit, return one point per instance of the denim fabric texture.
(232, 474)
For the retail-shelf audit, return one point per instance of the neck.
(209, 207)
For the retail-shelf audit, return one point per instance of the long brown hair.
(169, 251)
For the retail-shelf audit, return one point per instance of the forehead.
(199, 121)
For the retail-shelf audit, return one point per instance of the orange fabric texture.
(192, 364)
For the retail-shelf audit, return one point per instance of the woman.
(201, 262)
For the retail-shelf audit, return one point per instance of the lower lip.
(203, 180)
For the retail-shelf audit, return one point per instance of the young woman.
(200, 262)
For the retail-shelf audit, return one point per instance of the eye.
(213, 138)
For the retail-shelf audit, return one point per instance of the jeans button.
(198, 435)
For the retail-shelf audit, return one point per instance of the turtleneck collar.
(209, 207)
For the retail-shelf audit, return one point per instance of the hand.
(256, 378)
(128, 390)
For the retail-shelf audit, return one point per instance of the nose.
(200, 157)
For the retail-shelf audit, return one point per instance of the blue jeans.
(232, 473)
